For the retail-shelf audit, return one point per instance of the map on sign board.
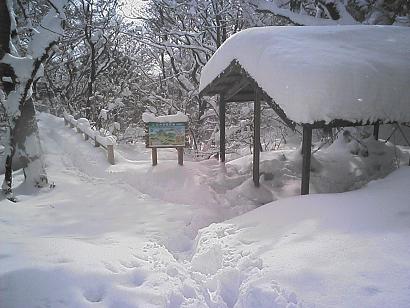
(166, 134)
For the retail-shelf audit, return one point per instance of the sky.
(131, 7)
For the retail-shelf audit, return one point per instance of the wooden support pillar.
(110, 154)
(403, 135)
(154, 156)
(78, 130)
(306, 152)
(180, 155)
(376, 128)
(65, 122)
(222, 111)
(256, 137)
(71, 125)
(86, 137)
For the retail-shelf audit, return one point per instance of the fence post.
(110, 154)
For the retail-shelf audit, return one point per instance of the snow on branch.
(271, 7)
(29, 67)
(50, 29)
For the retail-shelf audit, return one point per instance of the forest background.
(117, 60)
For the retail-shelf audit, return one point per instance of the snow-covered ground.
(133, 235)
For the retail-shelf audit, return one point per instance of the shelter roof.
(318, 74)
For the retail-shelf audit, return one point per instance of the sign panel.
(166, 134)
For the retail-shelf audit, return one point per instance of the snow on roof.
(354, 73)
(173, 118)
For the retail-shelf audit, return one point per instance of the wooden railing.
(83, 126)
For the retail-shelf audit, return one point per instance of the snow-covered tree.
(21, 61)
(158, 59)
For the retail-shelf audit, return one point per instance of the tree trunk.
(6, 87)
(28, 145)
(4, 29)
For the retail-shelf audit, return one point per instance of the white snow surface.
(172, 118)
(133, 235)
(315, 73)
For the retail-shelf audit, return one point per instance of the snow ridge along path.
(125, 236)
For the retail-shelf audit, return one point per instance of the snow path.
(127, 236)
(111, 229)
(96, 238)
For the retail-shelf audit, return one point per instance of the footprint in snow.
(371, 290)
(135, 278)
(94, 294)
(110, 268)
(63, 260)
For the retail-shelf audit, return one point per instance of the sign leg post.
(154, 156)
(180, 155)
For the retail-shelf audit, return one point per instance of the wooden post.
(180, 155)
(256, 137)
(78, 130)
(96, 144)
(376, 128)
(110, 154)
(306, 152)
(65, 122)
(154, 156)
(403, 135)
(71, 125)
(85, 137)
(222, 111)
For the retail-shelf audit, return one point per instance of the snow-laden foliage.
(22, 59)
(149, 56)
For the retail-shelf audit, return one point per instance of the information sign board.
(166, 134)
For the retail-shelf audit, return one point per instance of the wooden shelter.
(234, 83)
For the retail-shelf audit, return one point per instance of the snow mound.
(333, 250)
(355, 73)
(348, 163)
